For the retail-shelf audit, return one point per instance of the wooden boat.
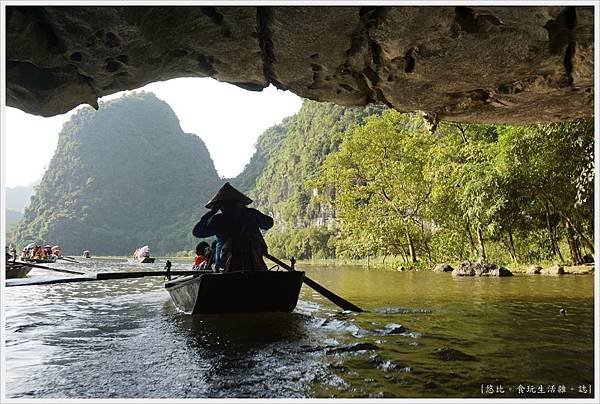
(236, 292)
(17, 270)
(144, 260)
(48, 260)
(142, 255)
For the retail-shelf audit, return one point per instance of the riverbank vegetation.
(506, 194)
(341, 183)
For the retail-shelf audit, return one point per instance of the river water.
(425, 335)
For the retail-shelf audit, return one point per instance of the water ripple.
(125, 339)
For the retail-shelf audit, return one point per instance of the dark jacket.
(238, 231)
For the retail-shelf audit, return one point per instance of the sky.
(227, 118)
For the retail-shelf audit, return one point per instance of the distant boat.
(142, 255)
(236, 292)
(49, 260)
(86, 254)
(17, 270)
(33, 252)
(146, 260)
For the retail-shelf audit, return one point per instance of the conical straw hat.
(227, 193)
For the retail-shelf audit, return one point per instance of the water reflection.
(248, 355)
(239, 330)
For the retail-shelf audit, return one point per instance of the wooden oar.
(34, 281)
(339, 301)
(50, 269)
(140, 274)
(101, 276)
(68, 259)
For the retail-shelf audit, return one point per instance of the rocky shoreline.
(479, 268)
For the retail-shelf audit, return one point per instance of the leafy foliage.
(339, 181)
(289, 155)
(496, 192)
(379, 183)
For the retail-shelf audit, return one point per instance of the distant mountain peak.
(17, 198)
(122, 176)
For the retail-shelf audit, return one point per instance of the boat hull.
(237, 292)
(43, 260)
(17, 270)
(148, 260)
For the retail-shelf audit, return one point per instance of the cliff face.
(121, 177)
(290, 154)
(508, 64)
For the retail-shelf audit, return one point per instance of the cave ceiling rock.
(466, 64)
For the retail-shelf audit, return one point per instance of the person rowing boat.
(237, 228)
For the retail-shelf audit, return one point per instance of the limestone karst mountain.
(122, 176)
(290, 154)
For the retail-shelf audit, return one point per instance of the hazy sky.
(228, 119)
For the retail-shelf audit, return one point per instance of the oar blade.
(337, 300)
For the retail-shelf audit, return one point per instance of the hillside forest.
(340, 182)
(121, 177)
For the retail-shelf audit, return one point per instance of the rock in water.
(395, 329)
(555, 270)
(449, 354)
(359, 346)
(534, 270)
(443, 268)
(465, 269)
(468, 268)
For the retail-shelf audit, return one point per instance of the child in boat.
(201, 255)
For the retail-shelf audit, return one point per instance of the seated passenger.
(202, 252)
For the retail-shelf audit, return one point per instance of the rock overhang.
(506, 64)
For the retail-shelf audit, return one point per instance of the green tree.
(552, 165)
(380, 190)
